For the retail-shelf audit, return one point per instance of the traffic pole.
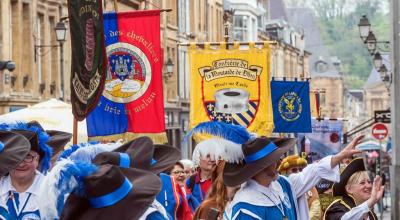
(395, 109)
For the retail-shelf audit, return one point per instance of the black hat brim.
(236, 174)
(356, 165)
(140, 151)
(58, 140)
(146, 186)
(16, 147)
(165, 157)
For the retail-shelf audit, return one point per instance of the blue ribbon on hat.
(1, 147)
(269, 148)
(112, 198)
(124, 160)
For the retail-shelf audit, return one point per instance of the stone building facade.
(25, 27)
(27, 24)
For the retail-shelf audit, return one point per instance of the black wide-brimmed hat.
(143, 154)
(258, 153)
(356, 165)
(164, 157)
(113, 193)
(13, 150)
(137, 153)
(33, 140)
(57, 139)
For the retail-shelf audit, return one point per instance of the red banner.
(132, 101)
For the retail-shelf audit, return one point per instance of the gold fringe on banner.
(158, 138)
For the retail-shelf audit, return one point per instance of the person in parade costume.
(358, 194)
(57, 139)
(13, 149)
(19, 189)
(113, 193)
(294, 164)
(177, 171)
(224, 144)
(266, 195)
(218, 197)
(77, 189)
(143, 154)
(38, 140)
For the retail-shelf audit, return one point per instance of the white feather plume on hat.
(218, 149)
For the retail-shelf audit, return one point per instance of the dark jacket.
(339, 207)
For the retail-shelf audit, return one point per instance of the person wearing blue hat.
(264, 194)
(18, 189)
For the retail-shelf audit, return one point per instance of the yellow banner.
(231, 86)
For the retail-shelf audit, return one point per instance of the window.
(321, 67)
(240, 26)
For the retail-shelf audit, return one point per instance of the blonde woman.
(359, 194)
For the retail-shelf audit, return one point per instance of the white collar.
(254, 193)
(154, 207)
(33, 188)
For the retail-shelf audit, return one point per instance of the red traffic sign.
(379, 131)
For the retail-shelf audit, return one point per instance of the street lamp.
(61, 33)
(374, 48)
(369, 38)
(364, 27)
(370, 42)
(377, 60)
(170, 67)
(9, 65)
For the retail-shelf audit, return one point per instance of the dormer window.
(321, 66)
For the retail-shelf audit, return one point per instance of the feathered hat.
(86, 152)
(38, 139)
(57, 139)
(290, 162)
(225, 142)
(143, 154)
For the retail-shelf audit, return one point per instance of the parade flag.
(132, 101)
(325, 138)
(231, 86)
(88, 56)
(291, 104)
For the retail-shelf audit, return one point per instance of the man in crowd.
(294, 164)
(265, 194)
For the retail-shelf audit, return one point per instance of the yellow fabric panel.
(214, 70)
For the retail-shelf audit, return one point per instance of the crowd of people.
(232, 175)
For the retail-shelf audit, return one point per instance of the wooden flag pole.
(115, 6)
(75, 132)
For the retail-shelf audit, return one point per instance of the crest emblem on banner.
(290, 106)
(128, 73)
(231, 102)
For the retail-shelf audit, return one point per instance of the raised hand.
(377, 192)
(347, 152)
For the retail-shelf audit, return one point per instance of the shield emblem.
(233, 98)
